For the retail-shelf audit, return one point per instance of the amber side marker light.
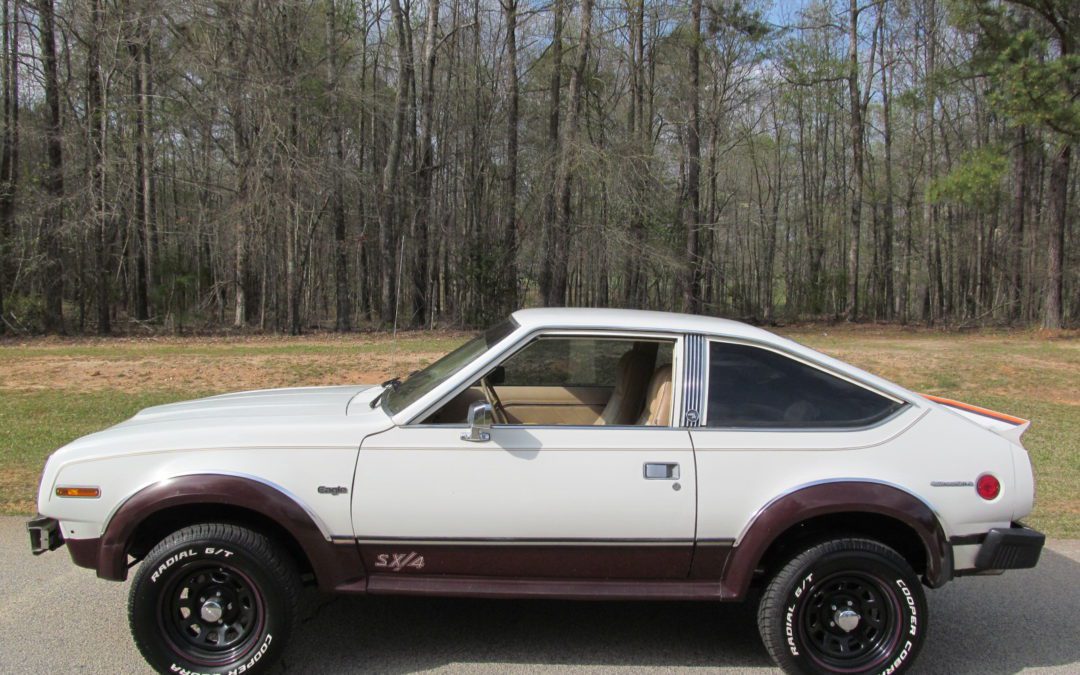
(78, 492)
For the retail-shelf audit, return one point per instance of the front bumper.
(45, 535)
(1010, 548)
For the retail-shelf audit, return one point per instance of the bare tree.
(343, 296)
(9, 145)
(570, 152)
(550, 240)
(387, 221)
(851, 309)
(97, 129)
(508, 274)
(692, 209)
(422, 281)
(52, 273)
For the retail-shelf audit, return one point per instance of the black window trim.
(904, 406)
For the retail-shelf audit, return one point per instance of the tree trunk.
(141, 199)
(929, 212)
(52, 272)
(692, 207)
(549, 237)
(343, 317)
(1019, 215)
(426, 208)
(1058, 200)
(887, 300)
(509, 270)
(633, 273)
(560, 251)
(9, 152)
(95, 120)
(240, 226)
(851, 308)
(388, 218)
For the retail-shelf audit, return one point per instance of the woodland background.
(290, 165)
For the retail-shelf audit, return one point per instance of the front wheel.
(844, 606)
(213, 598)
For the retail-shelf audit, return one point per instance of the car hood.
(294, 402)
(306, 417)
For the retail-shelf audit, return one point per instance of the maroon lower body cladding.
(558, 589)
(84, 552)
(522, 559)
(333, 565)
(585, 570)
(839, 497)
(577, 569)
(572, 570)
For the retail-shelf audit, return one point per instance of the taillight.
(988, 486)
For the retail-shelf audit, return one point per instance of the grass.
(53, 391)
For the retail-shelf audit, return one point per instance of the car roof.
(643, 320)
(636, 319)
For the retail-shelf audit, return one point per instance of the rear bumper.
(1010, 548)
(45, 535)
(1002, 548)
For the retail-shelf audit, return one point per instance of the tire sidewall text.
(157, 580)
(907, 604)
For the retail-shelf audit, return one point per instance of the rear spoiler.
(1000, 423)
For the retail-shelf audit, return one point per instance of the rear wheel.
(844, 606)
(213, 598)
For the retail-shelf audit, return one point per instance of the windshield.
(421, 382)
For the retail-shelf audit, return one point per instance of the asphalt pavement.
(55, 617)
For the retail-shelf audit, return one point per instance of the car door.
(551, 501)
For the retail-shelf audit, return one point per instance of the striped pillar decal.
(693, 400)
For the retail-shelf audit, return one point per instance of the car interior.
(575, 381)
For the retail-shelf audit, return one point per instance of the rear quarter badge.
(396, 562)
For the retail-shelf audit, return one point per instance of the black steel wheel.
(844, 606)
(211, 611)
(849, 620)
(213, 598)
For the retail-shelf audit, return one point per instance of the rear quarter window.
(756, 388)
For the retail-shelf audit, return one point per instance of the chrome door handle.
(661, 471)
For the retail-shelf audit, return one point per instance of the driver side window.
(575, 380)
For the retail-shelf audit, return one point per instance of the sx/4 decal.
(399, 561)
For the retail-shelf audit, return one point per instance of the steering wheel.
(497, 408)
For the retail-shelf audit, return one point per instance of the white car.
(565, 453)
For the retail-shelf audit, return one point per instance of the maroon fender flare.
(333, 563)
(835, 498)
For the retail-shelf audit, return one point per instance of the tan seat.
(657, 412)
(631, 378)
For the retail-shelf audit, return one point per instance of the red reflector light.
(988, 487)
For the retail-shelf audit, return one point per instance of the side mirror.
(481, 417)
